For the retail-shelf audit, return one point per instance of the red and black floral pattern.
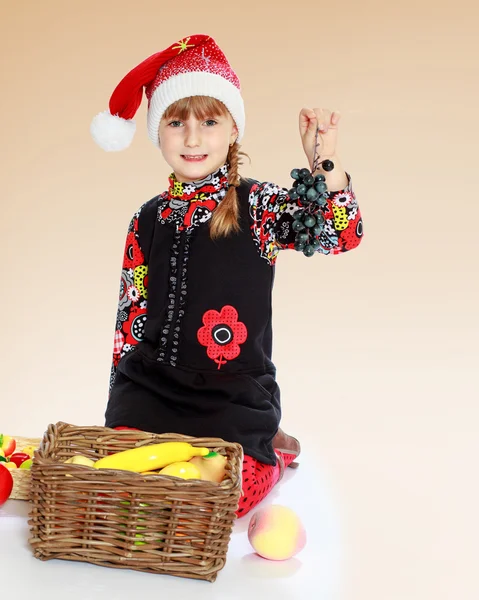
(272, 211)
(190, 204)
(132, 301)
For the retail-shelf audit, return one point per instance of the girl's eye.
(209, 122)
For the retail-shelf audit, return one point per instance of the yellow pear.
(212, 467)
(29, 450)
(80, 460)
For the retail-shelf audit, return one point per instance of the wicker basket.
(122, 519)
(21, 477)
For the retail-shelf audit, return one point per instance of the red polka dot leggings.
(258, 479)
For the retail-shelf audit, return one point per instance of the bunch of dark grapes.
(309, 222)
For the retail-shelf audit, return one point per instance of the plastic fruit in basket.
(191, 531)
(151, 457)
(19, 457)
(7, 444)
(9, 465)
(27, 464)
(30, 450)
(6, 484)
(212, 467)
(185, 470)
(78, 459)
(140, 538)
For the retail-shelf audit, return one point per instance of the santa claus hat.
(194, 66)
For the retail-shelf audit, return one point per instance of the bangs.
(202, 107)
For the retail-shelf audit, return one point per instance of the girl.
(193, 339)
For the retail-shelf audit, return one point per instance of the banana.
(150, 458)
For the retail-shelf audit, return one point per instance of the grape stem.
(316, 158)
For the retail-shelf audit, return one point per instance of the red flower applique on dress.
(222, 334)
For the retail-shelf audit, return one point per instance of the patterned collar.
(188, 205)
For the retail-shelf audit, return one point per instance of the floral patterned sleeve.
(131, 315)
(272, 212)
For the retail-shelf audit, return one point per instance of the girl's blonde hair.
(226, 216)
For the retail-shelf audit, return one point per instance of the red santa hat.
(194, 66)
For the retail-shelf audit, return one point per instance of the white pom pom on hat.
(111, 132)
(194, 66)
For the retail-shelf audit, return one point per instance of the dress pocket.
(262, 383)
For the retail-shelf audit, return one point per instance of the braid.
(226, 216)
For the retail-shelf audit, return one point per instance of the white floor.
(391, 525)
(245, 575)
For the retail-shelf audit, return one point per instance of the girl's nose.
(192, 137)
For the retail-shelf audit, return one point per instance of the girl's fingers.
(335, 118)
(323, 116)
(318, 118)
(306, 116)
(307, 121)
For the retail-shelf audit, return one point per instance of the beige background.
(377, 349)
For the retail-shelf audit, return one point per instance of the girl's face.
(194, 147)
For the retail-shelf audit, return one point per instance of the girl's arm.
(272, 211)
(131, 315)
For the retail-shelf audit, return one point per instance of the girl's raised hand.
(327, 121)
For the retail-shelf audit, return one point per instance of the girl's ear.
(234, 136)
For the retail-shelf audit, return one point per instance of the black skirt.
(156, 397)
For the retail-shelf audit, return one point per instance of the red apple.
(19, 457)
(6, 484)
